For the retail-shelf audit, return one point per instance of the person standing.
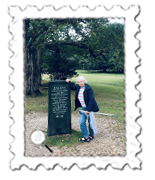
(84, 97)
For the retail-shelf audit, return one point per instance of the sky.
(117, 20)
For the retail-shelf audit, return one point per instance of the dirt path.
(110, 140)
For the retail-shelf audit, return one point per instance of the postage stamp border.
(132, 80)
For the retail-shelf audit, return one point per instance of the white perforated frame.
(132, 112)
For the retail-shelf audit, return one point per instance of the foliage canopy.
(70, 44)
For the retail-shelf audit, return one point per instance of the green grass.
(108, 91)
(64, 140)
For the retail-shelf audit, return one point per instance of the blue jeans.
(83, 127)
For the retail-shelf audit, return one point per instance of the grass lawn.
(64, 140)
(108, 91)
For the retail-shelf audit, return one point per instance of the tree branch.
(79, 44)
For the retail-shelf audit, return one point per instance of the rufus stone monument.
(59, 108)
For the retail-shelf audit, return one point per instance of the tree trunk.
(32, 66)
(39, 65)
(28, 72)
(105, 69)
(32, 73)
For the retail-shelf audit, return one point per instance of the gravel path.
(110, 140)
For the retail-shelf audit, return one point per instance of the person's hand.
(67, 80)
(87, 112)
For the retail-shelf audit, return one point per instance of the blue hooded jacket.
(89, 99)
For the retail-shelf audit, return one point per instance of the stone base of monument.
(59, 108)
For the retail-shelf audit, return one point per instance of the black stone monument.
(59, 108)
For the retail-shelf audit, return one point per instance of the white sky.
(117, 20)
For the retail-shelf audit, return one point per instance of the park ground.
(109, 92)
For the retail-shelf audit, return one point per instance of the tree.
(107, 53)
(58, 46)
(58, 64)
(32, 63)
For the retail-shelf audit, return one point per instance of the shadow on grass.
(68, 140)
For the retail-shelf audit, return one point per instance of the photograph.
(74, 81)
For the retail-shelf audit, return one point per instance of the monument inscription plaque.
(59, 108)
